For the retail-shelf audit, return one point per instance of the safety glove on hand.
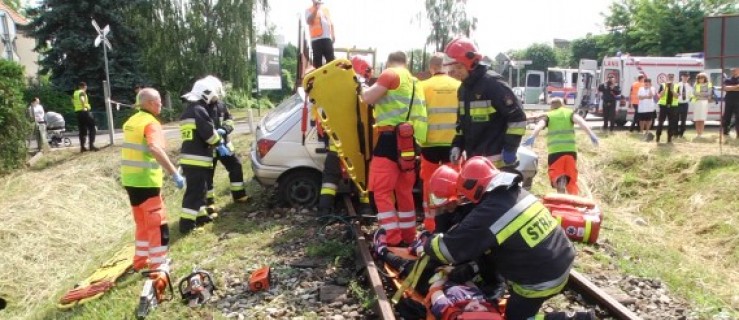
(509, 157)
(179, 180)
(454, 155)
(529, 141)
(594, 140)
(223, 150)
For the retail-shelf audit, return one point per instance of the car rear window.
(279, 114)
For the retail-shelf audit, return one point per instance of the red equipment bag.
(260, 279)
(406, 146)
(578, 225)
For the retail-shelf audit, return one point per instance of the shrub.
(14, 122)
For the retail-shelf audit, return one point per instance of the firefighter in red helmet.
(490, 119)
(362, 68)
(524, 241)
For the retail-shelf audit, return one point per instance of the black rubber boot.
(186, 225)
(325, 205)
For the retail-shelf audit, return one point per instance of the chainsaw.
(154, 290)
(197, 287)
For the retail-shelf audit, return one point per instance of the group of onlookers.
(673, 101)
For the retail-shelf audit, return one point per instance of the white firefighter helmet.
(208, 89)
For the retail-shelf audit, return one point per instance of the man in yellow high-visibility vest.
(85, 121)
(441, 107)
(143, 157)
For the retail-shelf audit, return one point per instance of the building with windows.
(17, 43)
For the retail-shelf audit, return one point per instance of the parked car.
(280, 158)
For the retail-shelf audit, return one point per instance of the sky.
(390, 25)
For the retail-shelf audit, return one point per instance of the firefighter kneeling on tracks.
(529, 248)
(332, 173)
(400, 120)
(199, 138)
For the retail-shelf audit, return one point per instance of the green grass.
(687, 196)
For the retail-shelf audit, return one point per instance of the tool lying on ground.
(578, 216)
(154, 290)
(260, 279)
(197, 288)
(101, 280)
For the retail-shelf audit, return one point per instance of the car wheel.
(300, 188)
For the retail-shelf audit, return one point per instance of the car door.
(534, 86)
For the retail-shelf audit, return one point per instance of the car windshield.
(279, 114)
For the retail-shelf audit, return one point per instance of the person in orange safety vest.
(321, 33)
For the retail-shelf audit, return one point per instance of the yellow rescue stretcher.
(334, 88)
(101, 280)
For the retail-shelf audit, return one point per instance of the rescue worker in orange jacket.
(441, 107)
(561, 145)
(400, 116)
(143, 161)
(321, 33)
(529, 248)
(199, 138)
(491, 121)
(332, 165)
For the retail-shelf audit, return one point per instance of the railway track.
(577, 282)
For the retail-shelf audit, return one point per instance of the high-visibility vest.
(561, 135)
(699, 88)
(663, 98)
(316, 27)
(139, 168)
(440, 93)
(77, 102)
(392, 109)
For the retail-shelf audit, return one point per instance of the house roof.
(17, 18)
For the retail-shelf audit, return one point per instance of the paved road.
(103, 139)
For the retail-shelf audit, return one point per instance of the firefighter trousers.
(329, 182)
(152, 231)
(194, 200)
(393, 194)
(235, 170)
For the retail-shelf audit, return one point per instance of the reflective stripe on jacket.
(561, 135)
(440, 92)
(77, 101)
(663, 97)
(520, 234)
(139, 168)
(393, 108)
(198, 136)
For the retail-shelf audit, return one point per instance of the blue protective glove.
(221, 132)
(179, 181)
(594, 140)
(509, 157)
(223, 150)
(529, 141)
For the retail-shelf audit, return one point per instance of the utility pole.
(103, 38)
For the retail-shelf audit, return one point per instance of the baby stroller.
(55, 130)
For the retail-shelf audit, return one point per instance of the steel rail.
(581, 284)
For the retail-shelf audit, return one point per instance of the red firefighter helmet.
(361, 66)
(476, 174)
(463, 51)
(443, 187)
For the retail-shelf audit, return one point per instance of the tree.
(65, 38)
(13, 119)
(542, 56)
(448, 19)
(661, 27)
(184, 40)
(591, 47)
(14, 4)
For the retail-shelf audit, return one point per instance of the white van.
(627, 68)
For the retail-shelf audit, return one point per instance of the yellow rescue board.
(101, 281)
(345, 118)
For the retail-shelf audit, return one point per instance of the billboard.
(720, 36)
(268, 68)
